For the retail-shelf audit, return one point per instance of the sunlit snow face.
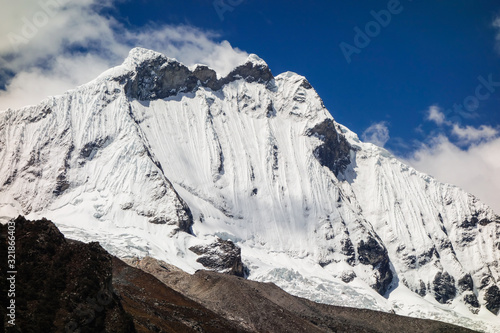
(161, 175)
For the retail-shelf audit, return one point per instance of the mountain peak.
(257, 160)
(138, 55)
(255, 59)
(152, 75)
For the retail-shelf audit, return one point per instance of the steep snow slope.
(154, 158)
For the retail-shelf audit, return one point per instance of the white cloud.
(33, 84)
(471, 134)
(475, 169)
(39, 39)
(434, 114)
(190, 46)
(496, 25)
(466, 135)
(377, 134)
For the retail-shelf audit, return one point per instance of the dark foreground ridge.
(69, 286)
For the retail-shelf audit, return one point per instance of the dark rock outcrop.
(62, 184)
(250, 72)
(492, 298)
(444, 287)
(466, 283)
(422, 290)
(222, 256)
(471, 299)
(162, 77)
(373, 253)
(466, 287)
(427, 256)
(334, 152)
(91, 148)
(348, 250)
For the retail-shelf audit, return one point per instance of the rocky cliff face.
(334, 152)
(221, 256)
(62, 285)
(161, 77)
(155, 158)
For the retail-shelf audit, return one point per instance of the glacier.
(154, 158)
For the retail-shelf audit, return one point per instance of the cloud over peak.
(377, 133)
(50, 46)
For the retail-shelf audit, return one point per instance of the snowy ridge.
(85, 149)
(153, 158)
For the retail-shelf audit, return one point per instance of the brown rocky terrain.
(69, 286)
(263, 307)
(61, 285)
(158, 308)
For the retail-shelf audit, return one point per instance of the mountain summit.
(249, 173)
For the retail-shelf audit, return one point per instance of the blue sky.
(431, 53)
(398, 89)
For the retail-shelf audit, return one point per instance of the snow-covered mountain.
(155, 158)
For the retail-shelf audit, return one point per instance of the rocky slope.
(155, 307)
(69, 286)
(61, 285)
(155, 158)
(263, 307)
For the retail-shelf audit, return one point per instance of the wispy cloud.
(466, 135)
(41, 43)
(474, 169)
(496, 25)
(470, 134)
(377, 134)
(472, 162)
(434, 114)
